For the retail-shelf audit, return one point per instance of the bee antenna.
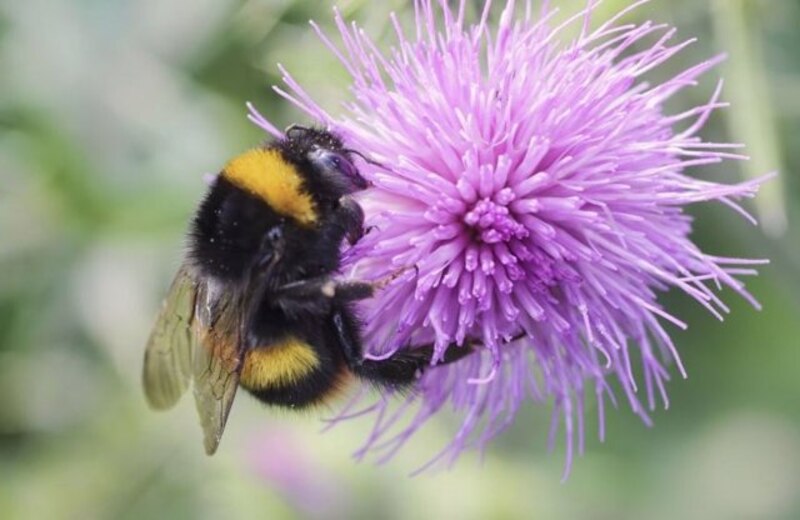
(366, 159)
(296, 129)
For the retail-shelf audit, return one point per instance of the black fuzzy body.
(280, 272)
(226, 239)
(228, 229)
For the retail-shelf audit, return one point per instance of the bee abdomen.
(278, 365)
(291, 373)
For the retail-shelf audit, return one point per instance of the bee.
(256, 303)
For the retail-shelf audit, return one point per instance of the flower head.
(539, 189)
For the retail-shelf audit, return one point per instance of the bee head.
(323, 156)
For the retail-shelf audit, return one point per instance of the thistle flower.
(539, 188)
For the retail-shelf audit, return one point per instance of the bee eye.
(339, 163)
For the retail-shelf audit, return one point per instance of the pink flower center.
(494, 222)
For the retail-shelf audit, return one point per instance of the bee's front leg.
(320, 293)
(351, 217)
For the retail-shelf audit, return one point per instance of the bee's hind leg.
(397, 372)
(400, 370)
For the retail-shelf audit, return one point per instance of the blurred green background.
(110, 114)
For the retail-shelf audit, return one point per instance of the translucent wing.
(221, 316)
(168, 356)
(217, 361)
(196, 337)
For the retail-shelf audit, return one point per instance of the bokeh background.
(110, 114)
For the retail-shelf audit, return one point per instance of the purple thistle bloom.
(539, 188)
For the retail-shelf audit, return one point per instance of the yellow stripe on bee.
(266, 174)
(278, 365)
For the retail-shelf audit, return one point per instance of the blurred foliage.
(110, 112)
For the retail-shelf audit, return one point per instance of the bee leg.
(452, 353)
(351, 218)
(311, 293)
(270, 252)
(405, 367)
(348, 338)
(398, 371)
(311, 288)
(317, 295)
(351, 291)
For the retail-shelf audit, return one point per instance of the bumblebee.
(256, 304)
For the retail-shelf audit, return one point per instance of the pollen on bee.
(329, 289)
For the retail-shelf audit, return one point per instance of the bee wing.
(217, 365)
(168, 355)
(196, 337)
(217, 362)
